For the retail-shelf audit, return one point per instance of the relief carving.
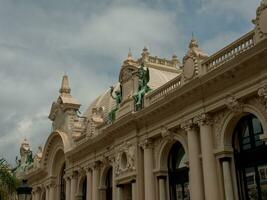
(233, 104)
(167, 134)
(262, 92)
(125, 158)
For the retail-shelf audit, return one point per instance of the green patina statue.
(143, 87)
(26, 158)
(117, 97)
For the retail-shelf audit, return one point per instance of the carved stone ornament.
(189, 68)
(233, 104)
(166, 134)
(188, 125)
(262, 92)
(203, 119)
(261, 21)
(97, 115)
(125, 158)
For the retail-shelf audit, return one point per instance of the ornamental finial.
(130, 56)
(65, 88)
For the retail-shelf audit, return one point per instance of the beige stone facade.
(193, 110)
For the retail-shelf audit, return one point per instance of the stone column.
(33, 194)
(148, 171)
(133, 182)
(47, 193)
(38, 194)
(208, 158)
(67, 179)
(195, 172)
(96, 169)
(227, 178)
(119, 192)
(89, 184)
(51, 192)
(73, 186)
(162, 188)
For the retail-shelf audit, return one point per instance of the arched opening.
(84, 189)
(250, 159)
(178, 173)
(62, 183)
(109, 181)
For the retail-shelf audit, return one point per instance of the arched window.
(178, 173)
(84, 189)
(109, 184)
(250, 159)
(62, 184)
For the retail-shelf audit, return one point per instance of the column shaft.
(209, 163)
(89, 185)
(52, 193)
(148, 174)
(228, 184)
(134, 190)
(119, 193)
(67, 189)
(73, 187)
(46, 193)
(95, 183)
(162, 189)
(195, 173)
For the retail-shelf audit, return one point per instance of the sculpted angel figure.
(117, 97)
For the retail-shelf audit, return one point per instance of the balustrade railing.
(229, 52)
(226, 54)
(163, 90)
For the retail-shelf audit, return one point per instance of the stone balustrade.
(229, 52)
(164, 90)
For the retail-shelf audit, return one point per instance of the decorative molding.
(219, 119)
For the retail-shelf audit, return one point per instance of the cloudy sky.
(41, 40)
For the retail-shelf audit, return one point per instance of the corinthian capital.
(146, 144)
(188, 125)
(203, 119)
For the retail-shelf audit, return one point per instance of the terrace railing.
(226, 54)
(229, 52)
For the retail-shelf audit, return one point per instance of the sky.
(41, 40)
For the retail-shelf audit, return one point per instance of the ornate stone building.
(169, 130)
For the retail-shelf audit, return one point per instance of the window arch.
(250, 159)
(178, 173)
(62, 183)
